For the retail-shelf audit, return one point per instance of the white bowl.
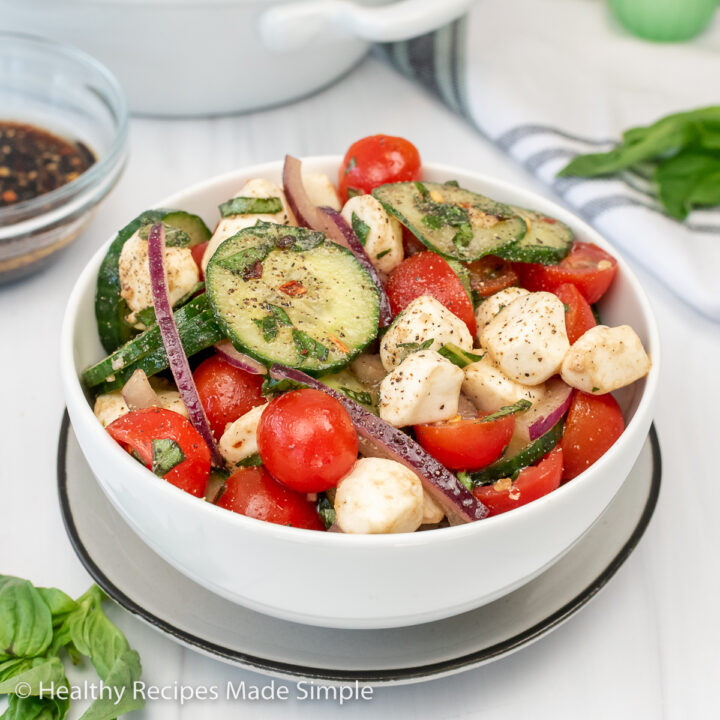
(356, 581)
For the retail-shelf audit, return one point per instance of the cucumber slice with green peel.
(450, 220)
(347, 383)
(463, 276)
(529, 455)
(547, 240)
(288, 295)
(198, 330)
(191, 224)
(110, 308)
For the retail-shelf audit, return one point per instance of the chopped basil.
(416, 347)
(326, 511)
(270, 324)
(518, 407)
(463, 236)
(240, 263)
(464, 477)
(166, 455)
(353, 192)
(250, 206)
(252, 461)
(363, 397)
(595, 389)
(452, 183)
(308, 346)
(566, 307)
(458, 356)
(361, 229)
(271, 386)
(382, 254)
(174, 237)
(424, 192)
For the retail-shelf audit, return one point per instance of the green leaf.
(244, 262)
(359, 396)
(518, 407)
(122, 676)
(250, 206)
(361, 229)
(25, 619)
(308, 347)
(35, 708)
(271, 386)
(166, 455)
(382, 254)
(458, 356)
(58, 602)
(416, 347)
(45, 672)
(326, 511)
(464, 477)
(252, 461)
(688, 180)
(424, 192)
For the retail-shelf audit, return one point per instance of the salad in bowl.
(385, 355)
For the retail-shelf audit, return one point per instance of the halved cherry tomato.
(491, 274)
(428, 274)
(411, 245)
(579, 316)
(589, 268)
(136, 430)
(531, 484)
(307, 440)
(226, 392)
(377, 160)
(466, 444)
(593, 424)
(197, 255)
(255, 493)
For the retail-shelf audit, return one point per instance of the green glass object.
(664, 20)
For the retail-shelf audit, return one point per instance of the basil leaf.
(122, 676)
(382, 254)
(458, 356)
(416, 347)
(363, 397)
(308, 346)
(250, 206)
(244, 262)
(25, 619)
(39, 672)
(58, 602)
(360, 228)
(518, 407)
(464, 477)
(35, 708)
(252, 461)
(326, 511)
(166, 455)
(271, 386)
(688, 180)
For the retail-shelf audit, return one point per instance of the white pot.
(207, 57)
(356, 581)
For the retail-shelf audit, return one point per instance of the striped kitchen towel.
(548, 79)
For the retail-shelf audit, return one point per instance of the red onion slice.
(228, 353)
(336, 228)
(383, 440)
(303, 208)
(545, 414)
(137, 392)
(177, 359)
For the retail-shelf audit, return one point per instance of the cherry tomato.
(593, 424)
(531, 484)
(428, 274)
(466, 444)
(579, 316)
(197, 254)
(491, 274)
(136, 430)
(411, 245)
(377, 160)
(307, 440)
(254, 492)
(226, 392)
(587, 266)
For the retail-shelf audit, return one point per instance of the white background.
(647, 647)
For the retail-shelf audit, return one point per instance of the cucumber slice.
(110, 308)
(193, 225)
(347, 383)
(197, 328)
(529, 455)
(288, 295)
(454, 222)
(547, 240)
(463, 276)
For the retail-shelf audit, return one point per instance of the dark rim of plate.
(369, 677)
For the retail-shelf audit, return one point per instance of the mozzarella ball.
(239, 441)
(493, 304)
(379, 496)
(321, 191)
(605, 359)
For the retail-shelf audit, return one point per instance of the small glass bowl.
(66, 92)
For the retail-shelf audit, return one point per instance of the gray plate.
(148, 587)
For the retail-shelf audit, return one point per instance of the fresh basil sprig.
(683, 151)
(35, 624)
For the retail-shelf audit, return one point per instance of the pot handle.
(294, 25)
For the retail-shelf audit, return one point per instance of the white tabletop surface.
(647, 647)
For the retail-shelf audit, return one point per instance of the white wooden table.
(647, 647)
